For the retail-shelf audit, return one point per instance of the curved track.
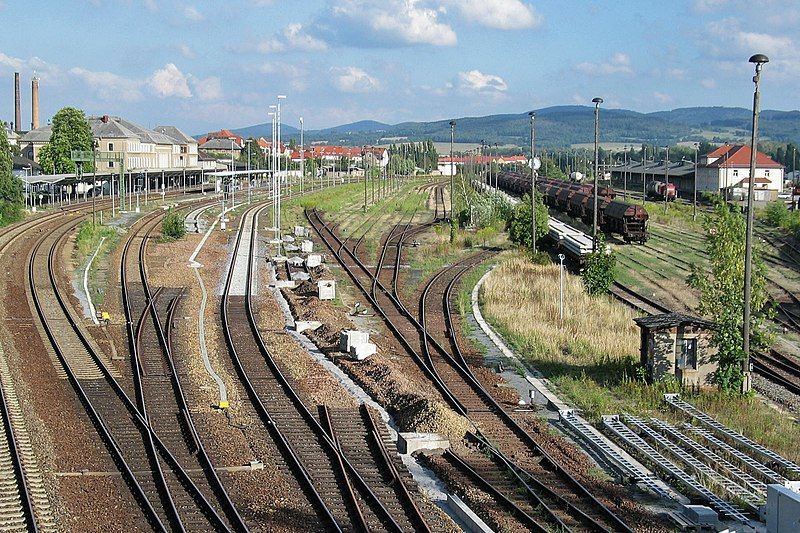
(337, 488)
(464, 392)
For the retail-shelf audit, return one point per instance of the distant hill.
(561, 126)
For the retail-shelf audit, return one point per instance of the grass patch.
(87, 240)
(592, 358)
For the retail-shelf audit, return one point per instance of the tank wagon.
(577, 200)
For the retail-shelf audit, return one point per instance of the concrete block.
(471, 521)
(288, 238)
(313, 260)
(701, 515)
(296, 261)
(783, 509)
(277, 259)
(326, 289)
(291, 248)
(350, 337)
(284, 284)
(411, 442)
(300, 231)
(300, 276)
(307, 246)
(305, 325)
(362, 350)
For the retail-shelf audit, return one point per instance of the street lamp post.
(597, 101)
(533, 184)
(363, 164)
(277, 148)
(694, 191)
(758, 60)
(561, 258)
(625, 174)
(452, 168)
(95, 144)
(302, 156)
(233, 179)
(249, 177)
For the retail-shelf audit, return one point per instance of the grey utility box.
(783, 509)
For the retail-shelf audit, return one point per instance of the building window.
(735, 173)
(110, 147)
(686, 353)
(766, 173)
(110, 164)
(183, 149)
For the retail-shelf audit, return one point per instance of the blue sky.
(203, 64)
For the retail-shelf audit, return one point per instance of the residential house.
(727, 170)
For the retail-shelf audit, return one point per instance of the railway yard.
(357, 369)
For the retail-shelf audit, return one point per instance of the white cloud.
(109, 86)
(662, 97)
(709, 83)
(677, 73)
(353, 80)
(293, 37)
(618, 63)
(192, 13)
(170, 81)
(11, 62)
(477, 81)
(708, 5)
(390, 22)
(206, 89)
(501, 14)
(186, 51)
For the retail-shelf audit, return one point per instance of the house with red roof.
(221, 134)
(727, 170)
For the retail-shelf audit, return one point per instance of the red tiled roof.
(221, 134)
(484, 159)
(729, 156)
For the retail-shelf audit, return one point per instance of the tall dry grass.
(522, 299)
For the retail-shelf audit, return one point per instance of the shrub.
(776, 214)
(173, 227)
(600, 270)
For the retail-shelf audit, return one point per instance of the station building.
(164, 148)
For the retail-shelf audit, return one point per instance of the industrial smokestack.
(17, 108)
(34, 103)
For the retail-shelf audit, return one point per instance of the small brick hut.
(674, 344)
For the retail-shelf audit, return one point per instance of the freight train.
(577, 200)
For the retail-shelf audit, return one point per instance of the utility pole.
(666, 175)
(363, 164)
(302, 157)
(533, 183)
(694, 192)
(597, 101)
(758, 60)
(452, 169)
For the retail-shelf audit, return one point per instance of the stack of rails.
(575, 243)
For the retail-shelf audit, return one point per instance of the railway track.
(466, 395)
(200, 502)
(343, 493)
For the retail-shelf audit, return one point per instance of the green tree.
(519, 221)
(600, 269)
(11, 197)
(722, 293)
(71, 131)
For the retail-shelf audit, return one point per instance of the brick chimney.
(34, 103)
(17, 107)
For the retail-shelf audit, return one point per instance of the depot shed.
(675, 344)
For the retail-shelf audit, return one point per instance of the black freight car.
(629, 220)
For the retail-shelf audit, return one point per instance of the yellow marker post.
(223, 404)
